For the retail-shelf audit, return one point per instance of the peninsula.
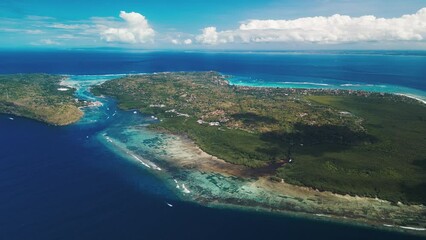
(346, 142)
(39, 97)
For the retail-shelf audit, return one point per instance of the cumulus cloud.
(135, 29)
(209, 36)
(187, 41)
(323, 30)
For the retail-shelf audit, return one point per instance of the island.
(333, 154)
(40, 97)
(346, 142)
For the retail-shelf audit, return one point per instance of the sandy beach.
(412, 97)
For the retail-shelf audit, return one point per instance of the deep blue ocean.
(55, 183)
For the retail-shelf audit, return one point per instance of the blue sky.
(219, 24)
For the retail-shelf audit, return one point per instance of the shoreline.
(412, 97)
(295, 200)
(398, 90)
(322, 218)
(193, 166)
(208, 180)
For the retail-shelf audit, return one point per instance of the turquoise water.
(331, 84)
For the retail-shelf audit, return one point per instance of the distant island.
(347, 142)
(39, 97)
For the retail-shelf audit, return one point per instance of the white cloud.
(66, 36)
(209, 36)
(37, 31)
(69, 26)
(324, 30)
(178, 42)
(187, 41)
(38, 18)
(49, 42)
(27, 31)
(10, 30)
(135, 29)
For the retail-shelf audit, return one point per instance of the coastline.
(193, 172)
(412, 97)
(264, 195)
(210, 181)
(40, 97)
(411, 93)
(79, 185)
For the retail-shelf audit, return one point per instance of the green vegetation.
(358, 143)
(37, 96)
(393, 167)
